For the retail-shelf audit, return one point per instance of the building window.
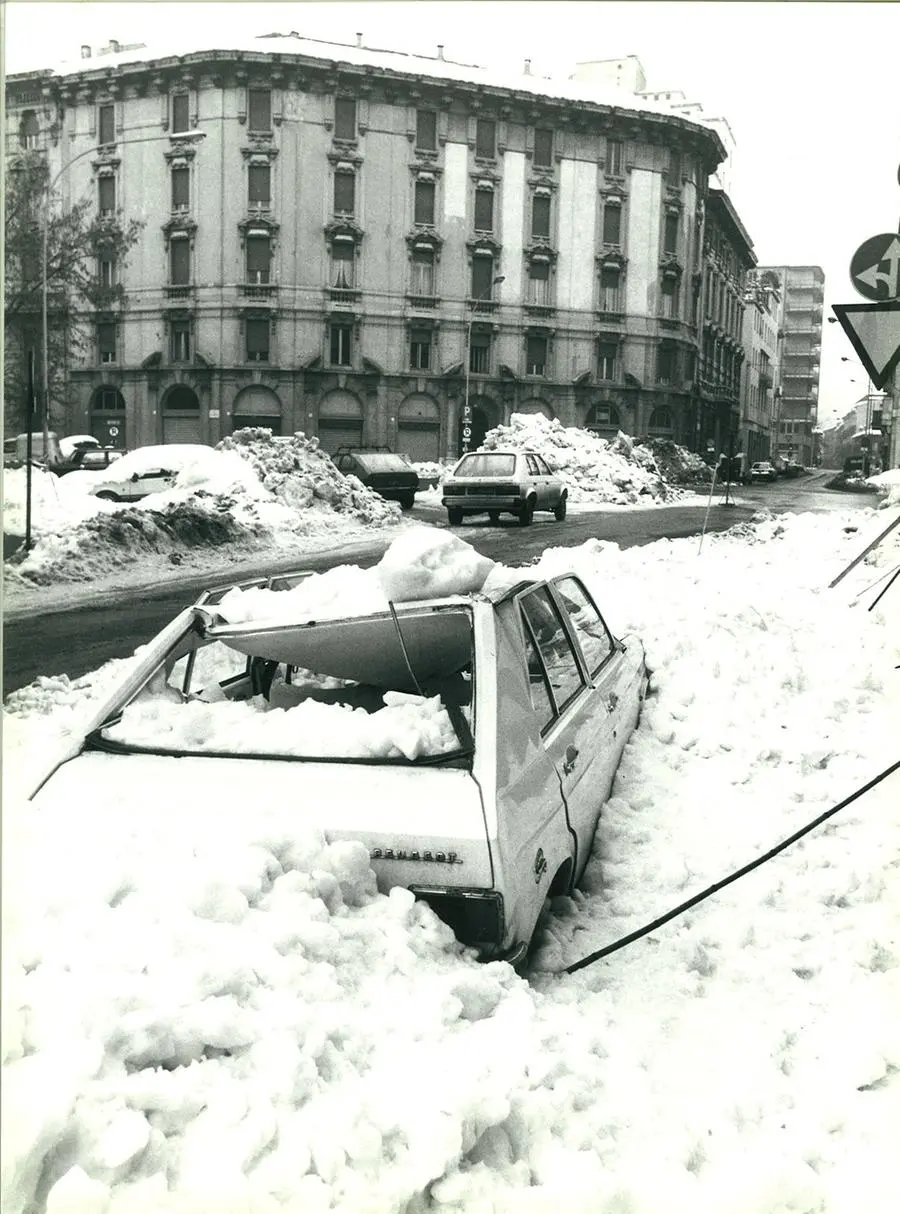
(426, 130)
(612, 224)
(341, 345)
(540, 216)
(106, 123)
(539, 283)
(480, 353)
(180, 262)
(670, 237)
(607, 352)
(106, 341)
(424, 203)
(543, 148)
(180, 113)
(670, 297)
(674, 171)
(108, 399)
(603, 417)
(344, 192)
(610, 289)
(181, 189)
(259, 259)
(29, 131)
(484, 209)
(536, 355)
(180, 341)
(257, 339)
(344, 118)
(486, 138)
(482, 276)
(343, 263)
(107, 275)
(615, 157)
(259, 186)
(420, 349)
(661, 418)
(106, 191)
(666, 364)
(422, 273)
(259, 110)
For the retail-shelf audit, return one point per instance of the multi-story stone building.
(803, 300)
(353, 243)
(761, 387)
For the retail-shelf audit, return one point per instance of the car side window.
(542, 466)
(537, 682)
(556, 653)
(532, 465)
(587, 623)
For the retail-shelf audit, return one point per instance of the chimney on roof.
(440, 50)
(359, 39)
(527, 67)
(85, 51)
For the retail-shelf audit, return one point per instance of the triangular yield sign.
(874, 332)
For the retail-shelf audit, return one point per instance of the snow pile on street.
(676, 464)
(207, 1007)
(887, 483)
(251, 490)
(621, 472)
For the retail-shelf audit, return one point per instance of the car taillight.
(475, 916)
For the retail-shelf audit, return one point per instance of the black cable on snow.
(741, 872)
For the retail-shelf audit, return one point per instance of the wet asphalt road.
(79, 639)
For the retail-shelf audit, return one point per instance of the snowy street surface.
(207, 1008)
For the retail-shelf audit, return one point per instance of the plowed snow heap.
(620, 472)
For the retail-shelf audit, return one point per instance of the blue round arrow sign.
(875, 267)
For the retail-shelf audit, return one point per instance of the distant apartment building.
(361, 239)
(803, 296)
(761, 388)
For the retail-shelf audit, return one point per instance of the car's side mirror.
(135, 476)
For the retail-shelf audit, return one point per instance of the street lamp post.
(467, 410)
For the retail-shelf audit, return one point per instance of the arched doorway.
(536, 405)
(662, 422)
(181, 415)
(256, 406)
(485, 416)
(340, 421)
(603, 420)
(108, 417)
(419, 428)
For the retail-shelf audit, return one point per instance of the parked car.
(88, 459)
(388, 474)
(124, 488)
(514, 482)
(537, 700)
(16, 448)
(762, 472)
(149, 470)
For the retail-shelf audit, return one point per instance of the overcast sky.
(810, 91)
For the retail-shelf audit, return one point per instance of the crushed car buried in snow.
(468, 741)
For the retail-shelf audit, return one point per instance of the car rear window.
(486, 463)
(381, 462)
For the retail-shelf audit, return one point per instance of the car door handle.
(571, 756)
(611, 701)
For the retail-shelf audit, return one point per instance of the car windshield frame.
(486, 465)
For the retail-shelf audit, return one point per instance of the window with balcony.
(420, 341)
(486, 138)
(422, 278)
(180, 341)
(612, 224)
(106, 197)
(181, 118)
(482, 276)
(484, 209)
(539, 283)
(259, 259)
(106, 341)
(257, 335)
(610, 289)
(424, 202)
(615, 158)
(540, 217)
(106, 123)
(670, 233)
(343, 265)
(426, 130)
(666, 364)
(29, 131)
(480, 353)
(340, 340)
(259, 110)
(536, 348)
(543, 148)
(344, 118)
(181, 189)
(607, 353)
(344, 193)
(259, 186)
(107, 271)
(179, 262)
(669, 293)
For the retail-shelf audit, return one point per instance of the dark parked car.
(390, 475)
(88, 459)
